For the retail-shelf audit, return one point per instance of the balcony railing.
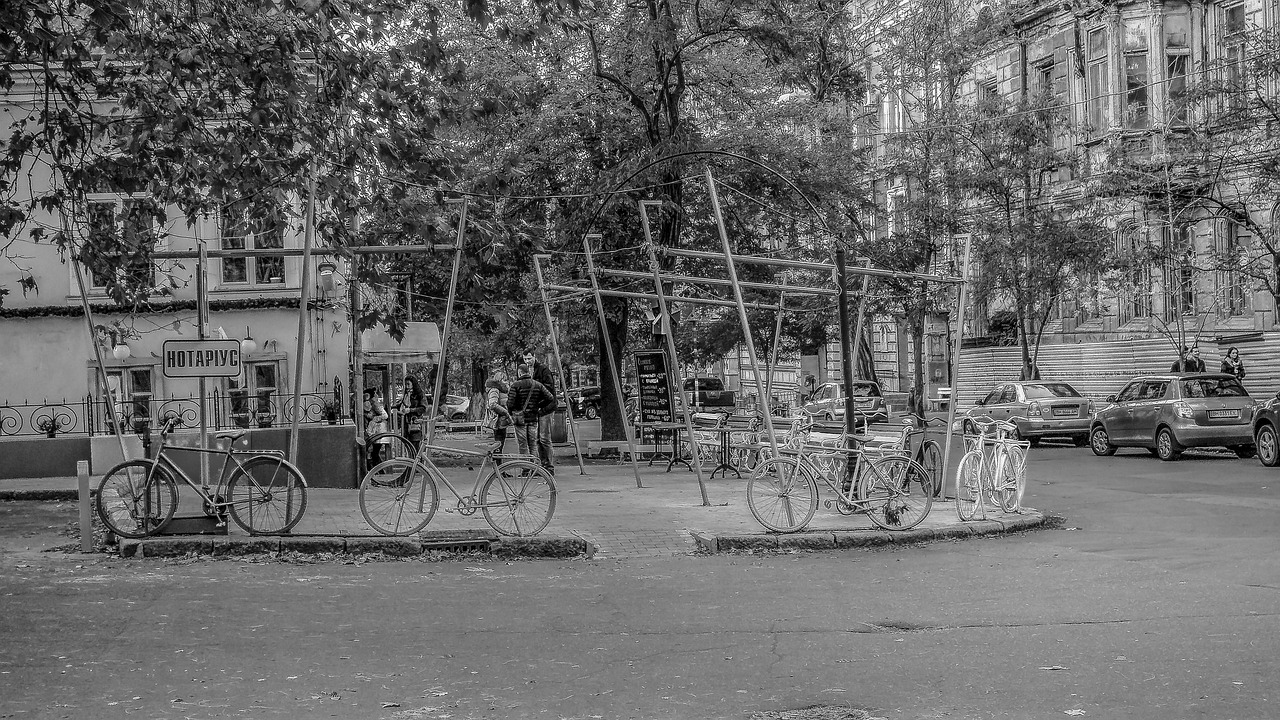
(90, 416)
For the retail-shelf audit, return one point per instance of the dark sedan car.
(1039, 409)
(1168, 413)
(1266, 431)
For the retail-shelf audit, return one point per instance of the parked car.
(827, 402)
(708, 392)
(455, 407)
(1266, 431)
(1168, 413)
(586, 402)
(1051, 409)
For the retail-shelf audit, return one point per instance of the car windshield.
(704, 384)
(1049, 390)
(1213, 387)
(864, 390)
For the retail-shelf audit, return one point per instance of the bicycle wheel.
(393, 446)
(268, 496)
(398, 497)
(781, 496)
(130, 505)
(930, 458)
(518, 498)
(1007, 483)
(897, 492)
(969, 485)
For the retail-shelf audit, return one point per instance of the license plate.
(1224, 413)
(1065, 411)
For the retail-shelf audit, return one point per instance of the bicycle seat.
(232, 435)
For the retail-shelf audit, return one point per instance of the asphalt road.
(1157, 596)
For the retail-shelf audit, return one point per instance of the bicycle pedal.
(826, 504)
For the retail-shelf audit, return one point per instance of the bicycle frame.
(229, 456)
(466, 503)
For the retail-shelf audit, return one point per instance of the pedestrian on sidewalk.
(1190, 360)
(542, 374)
(496, 417)
(377, 439)
(528, 402)
(413, 408)
(1232, 364)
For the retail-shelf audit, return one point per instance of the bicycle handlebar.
(170, 424)
(986, 422)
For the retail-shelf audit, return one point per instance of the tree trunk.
(611, 416)
(915, 323)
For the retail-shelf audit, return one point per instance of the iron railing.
(90, 416)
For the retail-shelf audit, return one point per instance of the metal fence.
(90, 416)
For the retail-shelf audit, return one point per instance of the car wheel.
(1244, 451)
(1268, 446)
(592, 413)
(1100, 442)
(1167, 447)
(1035, 441)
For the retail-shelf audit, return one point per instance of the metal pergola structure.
(838, 270)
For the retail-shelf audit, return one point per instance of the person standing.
(542, 374)
(1232, 364)
(526, 402)
(496, 417)
(1190, 361)
(413, 408)
(376, 417)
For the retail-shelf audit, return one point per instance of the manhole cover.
(817, 712)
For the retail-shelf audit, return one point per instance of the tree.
(1034, 242)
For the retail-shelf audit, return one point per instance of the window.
(130, 390)
(1098, 67)
(1177, 35)
(1153, 389)
(1042, 77)
(1233, 246)
(1130, 245)
(242, 231)
(1232, 53)
(253, 395)
(1179, 272)
(988, 91)
(120, 240)
(1130, 392)
(1136, 75)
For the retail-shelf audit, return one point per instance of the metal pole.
(862, 313)
(202, 325)
(773, 355)
(671, 349)
(651, 296)
(803, 265)
(357, 350)
(742, 308)
(97, 353)
(308, 237)
(955, 361)
(846, 364)
(615, 367)
(448, 316)
(555, 348)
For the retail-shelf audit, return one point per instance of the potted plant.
(49, 426)
(330, 409)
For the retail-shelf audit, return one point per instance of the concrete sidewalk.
(601, 514)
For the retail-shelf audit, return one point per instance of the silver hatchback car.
(1168, 413)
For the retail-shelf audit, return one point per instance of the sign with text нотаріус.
(654, 387)
(201, 358)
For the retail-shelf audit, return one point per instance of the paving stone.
(176, 546)
(313, 545)
(129, 548)
(394, 546)
(240, 545)
(706, 542)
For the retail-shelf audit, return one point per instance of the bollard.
(86, 512)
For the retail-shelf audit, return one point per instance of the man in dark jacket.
(542, 374)
(531, 399)
(1190, 361)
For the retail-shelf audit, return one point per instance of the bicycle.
(993, 469)
(894, 491)
(515, 494)
(927, 452)
(265, 494)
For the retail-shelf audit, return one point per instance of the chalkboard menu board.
(655, 387)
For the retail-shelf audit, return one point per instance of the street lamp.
(248, 345)
(121, 351)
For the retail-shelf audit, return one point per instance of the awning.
(421, 343)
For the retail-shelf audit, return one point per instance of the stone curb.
(225, 546)
(843, 539)
(29, 495)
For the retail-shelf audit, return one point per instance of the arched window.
(1233, 243)
(1135, 296)
(1178, 271)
